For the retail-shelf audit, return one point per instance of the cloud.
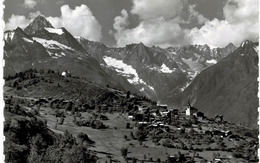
(159, 24)
(80, 22)
(33, 15)
(196, 15)
(121, 21)
(240, 23)
(237, 10)
(29, 3)
(153, 32)
(16, 21)
(149, 9)
(162, 23)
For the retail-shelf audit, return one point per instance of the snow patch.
(51, 44)
(166, 69)
(151, 88)
(53, 30)
(256, 49)
(9, 35)
(213, 61)
(27, 40)
(126, 70)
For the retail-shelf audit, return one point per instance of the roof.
(162, 105)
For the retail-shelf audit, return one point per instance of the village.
(187, 132)
(125, 127)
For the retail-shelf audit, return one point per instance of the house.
(217, 160)
(152, 126)
(228, 133)
(162, 106)
(143, 123)
(142, 109)
(190, 110)
(130, 117)
(199, 115)
(164, 113)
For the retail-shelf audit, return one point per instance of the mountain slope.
(40, 48)
(228, 88)
(158, 73)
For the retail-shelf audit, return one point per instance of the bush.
(36, 111)
(127, 125)
(167, 143)
(124, 152)
(97, 124)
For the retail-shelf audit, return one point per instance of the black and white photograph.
(130, 81)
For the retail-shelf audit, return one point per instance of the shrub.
(127, 125)
(124, 152)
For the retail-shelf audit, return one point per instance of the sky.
(161, 23)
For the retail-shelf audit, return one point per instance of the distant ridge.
(228, 88)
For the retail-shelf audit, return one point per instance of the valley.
(137, 103)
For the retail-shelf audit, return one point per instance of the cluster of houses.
(156, 118)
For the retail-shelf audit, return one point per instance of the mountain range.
(211, 78)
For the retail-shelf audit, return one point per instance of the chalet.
(41, 101)
(217, 160)
(228, 133)
(190, 110)
(162, 106)
(154, 114)
(199, 115)
(130, 117)
(153, 126)
(164, 113)
(143, 123)
(142, 109)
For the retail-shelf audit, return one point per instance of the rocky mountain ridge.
(228, 87)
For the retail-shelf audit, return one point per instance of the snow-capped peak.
(37, 24)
